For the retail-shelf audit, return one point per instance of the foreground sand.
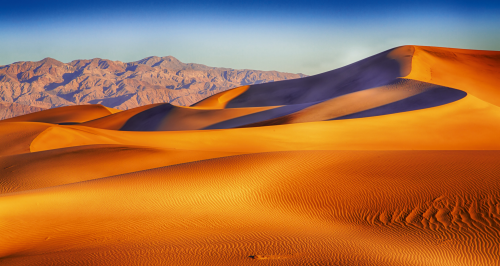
(323, 207)
(381, 174)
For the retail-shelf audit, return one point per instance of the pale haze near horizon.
(308, 45)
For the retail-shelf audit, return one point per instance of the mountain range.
(27, 87)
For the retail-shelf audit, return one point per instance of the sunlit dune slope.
(466, 124)
(75, 164)
(113, 110)
(285, 208)
(66, 114)
(220, 100)
(16, 137)
(475, 72)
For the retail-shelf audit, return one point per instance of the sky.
(308, 37)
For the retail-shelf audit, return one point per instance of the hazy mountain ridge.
(8, 110)
(50, 83)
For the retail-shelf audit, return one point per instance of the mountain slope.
(8, 110)
(49, 83)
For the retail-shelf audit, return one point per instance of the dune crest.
(472, 71)
(220, 100)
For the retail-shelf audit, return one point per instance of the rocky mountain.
(50, 83)
(8, 110)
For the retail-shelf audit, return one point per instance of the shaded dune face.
(375, 71)
(166, 117)
(275, 113)
(148, 120)
(400, 96)
(366, 88)
(116, 120)
(392, 160)
(435, 96)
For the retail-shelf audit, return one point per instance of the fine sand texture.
(392, 160)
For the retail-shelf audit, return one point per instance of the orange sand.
(220, 100)
(71, 165)
(193, 118)
(116, 120)
(472, 128)
(293, 208)
(412, 188)
(475, 72)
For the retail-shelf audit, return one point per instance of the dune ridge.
(392, 160)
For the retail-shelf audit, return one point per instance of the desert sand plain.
(392, 160)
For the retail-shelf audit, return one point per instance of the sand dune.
(392, 160)
(17, 137)
(375, 71)
(167, 117)
(366, 100)
(117, 120)
(475, 72)
(380, 208)
(220, 100)
(472, 128)
(70, 165)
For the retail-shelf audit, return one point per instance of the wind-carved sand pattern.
(393, 160)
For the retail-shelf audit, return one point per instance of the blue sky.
(307, 37)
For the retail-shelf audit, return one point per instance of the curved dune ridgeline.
(392, 160)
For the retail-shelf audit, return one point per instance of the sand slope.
(476, 72)
(70, 165)
(366, 208)
(472, 128)
(17, 137)
(392, 160)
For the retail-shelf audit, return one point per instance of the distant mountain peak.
(151, 60)
(52, 61)
(166, 61)
(170, 59)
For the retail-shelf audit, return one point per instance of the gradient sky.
(307, 37)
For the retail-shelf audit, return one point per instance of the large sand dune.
(392, 160)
